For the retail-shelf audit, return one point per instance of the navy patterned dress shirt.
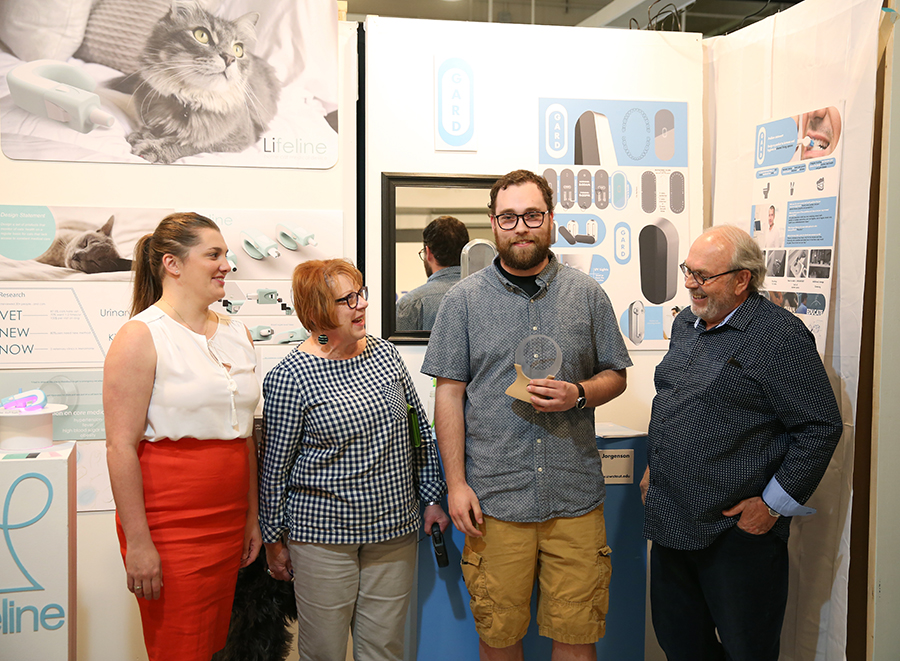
(742, 408)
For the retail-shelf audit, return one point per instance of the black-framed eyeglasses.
(352, 299)
(702, 279)
(422, 254)
(532, 219)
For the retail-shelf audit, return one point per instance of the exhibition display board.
(37, 553)
(642, 155)
(791, 120)
(64, 316)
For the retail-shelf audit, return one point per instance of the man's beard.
(524, 259)
(428, 269)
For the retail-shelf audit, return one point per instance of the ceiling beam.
(618, 13)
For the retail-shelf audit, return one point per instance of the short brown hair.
(446, 236)
(313, 294)
(517, 178)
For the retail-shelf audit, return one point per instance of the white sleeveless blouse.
(194, 394)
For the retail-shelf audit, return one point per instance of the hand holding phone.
(440, 549)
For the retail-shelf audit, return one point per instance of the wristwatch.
(772, 512)
(581, 402)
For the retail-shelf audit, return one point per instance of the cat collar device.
(270, 297)
(291, 336)
(30, 400)
(232, 306)
(258, 245)
(60, 92)
(261, 333)
(292, 236)
(264, 296)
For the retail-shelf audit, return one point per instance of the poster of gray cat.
(97, 243)
(71, 243)
(197, 82)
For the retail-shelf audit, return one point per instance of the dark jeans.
(737, 586)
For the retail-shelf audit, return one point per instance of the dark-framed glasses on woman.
(352, 299)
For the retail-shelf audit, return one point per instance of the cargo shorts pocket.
(473, 574)
(601, 595)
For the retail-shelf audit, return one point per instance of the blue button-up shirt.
(418, 309)
(525, 465)
(740, 409)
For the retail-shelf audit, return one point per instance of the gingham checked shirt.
(338, 466)
(522, 464)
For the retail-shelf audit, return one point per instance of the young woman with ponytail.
(179, 394)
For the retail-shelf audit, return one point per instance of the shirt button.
(540, 470)
(534, 328)
(539, 440)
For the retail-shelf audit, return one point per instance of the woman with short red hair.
(343, 472)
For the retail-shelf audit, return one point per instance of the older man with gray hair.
(743, 426)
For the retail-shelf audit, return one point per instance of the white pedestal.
(37, 554)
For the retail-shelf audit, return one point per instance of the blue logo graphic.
(456, 102)
(761, 146)
(6, 526)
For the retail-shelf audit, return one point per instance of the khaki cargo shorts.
(569, 558)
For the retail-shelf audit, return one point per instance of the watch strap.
(581, 402)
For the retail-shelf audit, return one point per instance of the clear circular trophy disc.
(539, 356)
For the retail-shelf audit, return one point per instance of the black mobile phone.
(440, 549)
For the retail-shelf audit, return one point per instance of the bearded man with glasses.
(743, 425)
(524, 479)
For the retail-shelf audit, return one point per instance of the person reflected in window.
(444, 239)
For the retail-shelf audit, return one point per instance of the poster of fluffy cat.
(198, 88)
(196, 82)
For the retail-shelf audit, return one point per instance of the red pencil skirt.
(195, 494)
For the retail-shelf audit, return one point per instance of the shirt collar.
(738, 318)
(543, 279)
(446, 272)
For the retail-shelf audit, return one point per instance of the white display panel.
(37, 554)
(506, 108)
(817, 54)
